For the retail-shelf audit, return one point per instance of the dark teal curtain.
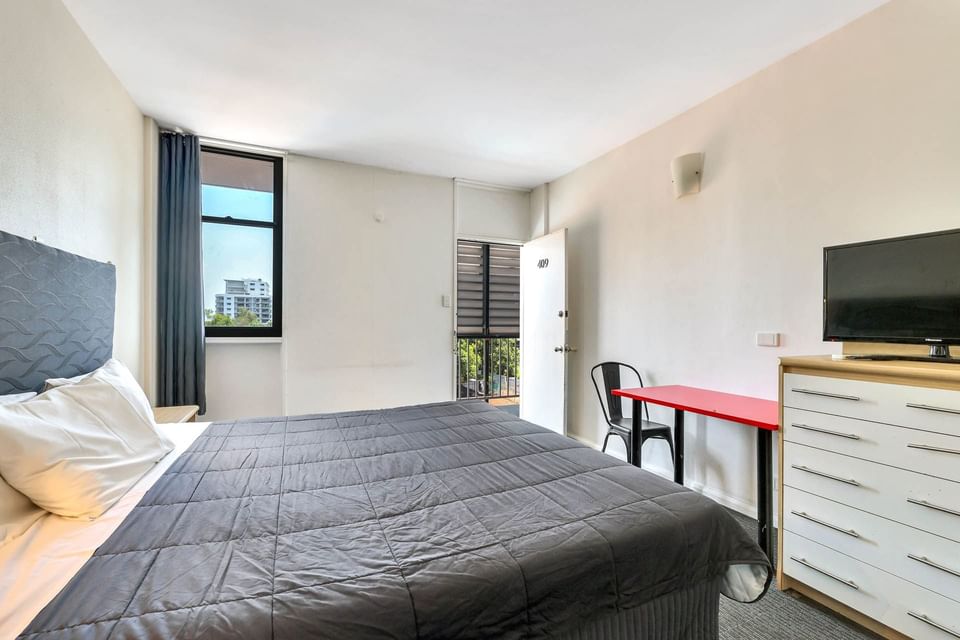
(180, 357)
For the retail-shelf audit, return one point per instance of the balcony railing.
(488, 367)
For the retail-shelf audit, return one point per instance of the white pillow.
(17, 513)
(122, 379)
(13, 398)
(76, 449)
(53, 383)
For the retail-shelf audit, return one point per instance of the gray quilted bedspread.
(437, 521)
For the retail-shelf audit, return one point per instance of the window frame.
(275, 330)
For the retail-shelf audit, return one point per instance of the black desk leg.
(636, 440)
(764, 491)
(678, 446)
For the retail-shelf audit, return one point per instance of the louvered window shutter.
(503, 290)
(470, 287)
(488, 289)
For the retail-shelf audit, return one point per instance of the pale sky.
(231, 252)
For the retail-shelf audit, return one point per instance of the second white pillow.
(76, 449)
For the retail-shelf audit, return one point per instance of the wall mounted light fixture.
(687, 170)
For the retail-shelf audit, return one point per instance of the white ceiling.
(513, 92)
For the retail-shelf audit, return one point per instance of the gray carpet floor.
(782, 616)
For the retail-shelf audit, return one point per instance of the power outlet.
(766, 339)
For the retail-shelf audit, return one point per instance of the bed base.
(690, 614)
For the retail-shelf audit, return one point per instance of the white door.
(543, 331)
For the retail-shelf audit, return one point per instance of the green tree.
(504, 360)
(246, 318)
(219, 320)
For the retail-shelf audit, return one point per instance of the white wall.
(855, 137)
(71, 144)
(243, 380)
(151, 178)
(488, 212)
(539, 216)
(363, 322)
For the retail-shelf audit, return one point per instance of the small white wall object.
(687, 171)
(378, 215)
(765, 339)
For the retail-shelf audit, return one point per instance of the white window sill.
(238, 340)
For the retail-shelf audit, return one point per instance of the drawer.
(926, 452)
(924, 616)
(917, 500)
(844, 579)
(914, 407)
(919, 557)
(875, 593)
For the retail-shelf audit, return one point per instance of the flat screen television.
(896, 290)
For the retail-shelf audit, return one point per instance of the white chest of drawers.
(870, 492)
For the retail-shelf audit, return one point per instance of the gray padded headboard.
(56, 314)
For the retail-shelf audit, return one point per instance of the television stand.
(939, 351)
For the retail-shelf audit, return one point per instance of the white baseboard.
(731, 502)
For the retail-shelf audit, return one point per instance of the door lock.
(564, 349)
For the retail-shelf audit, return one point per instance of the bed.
(432, 521)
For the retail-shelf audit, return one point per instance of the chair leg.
(605, 438)
(626, 443)
(669, 439)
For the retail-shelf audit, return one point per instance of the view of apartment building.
(249, 293)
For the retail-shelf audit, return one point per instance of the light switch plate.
(445, 300)
(767, 339)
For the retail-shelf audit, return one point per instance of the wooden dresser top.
(932, 374)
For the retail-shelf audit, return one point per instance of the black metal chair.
(613, 408)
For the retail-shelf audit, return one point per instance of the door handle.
(804, 562)
(933, 623)
(932, 408)
(849, 436)
(930, 563)
(807, 516)
(935, 507)
(839, 396)
(928, 447)
(824, 474)
(564, 349)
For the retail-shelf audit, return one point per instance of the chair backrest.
(610, 374)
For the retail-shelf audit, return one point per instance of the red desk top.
(756, 412)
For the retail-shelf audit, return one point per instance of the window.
(242, 206)
(488, 321)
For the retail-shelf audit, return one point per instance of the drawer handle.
(933, 623)
(807, 516)
(803, 561)
(824, 474)
(839, 396)
(929, 407)
(927, 447)
(935, 507)
(930, 563)
(851, 436)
